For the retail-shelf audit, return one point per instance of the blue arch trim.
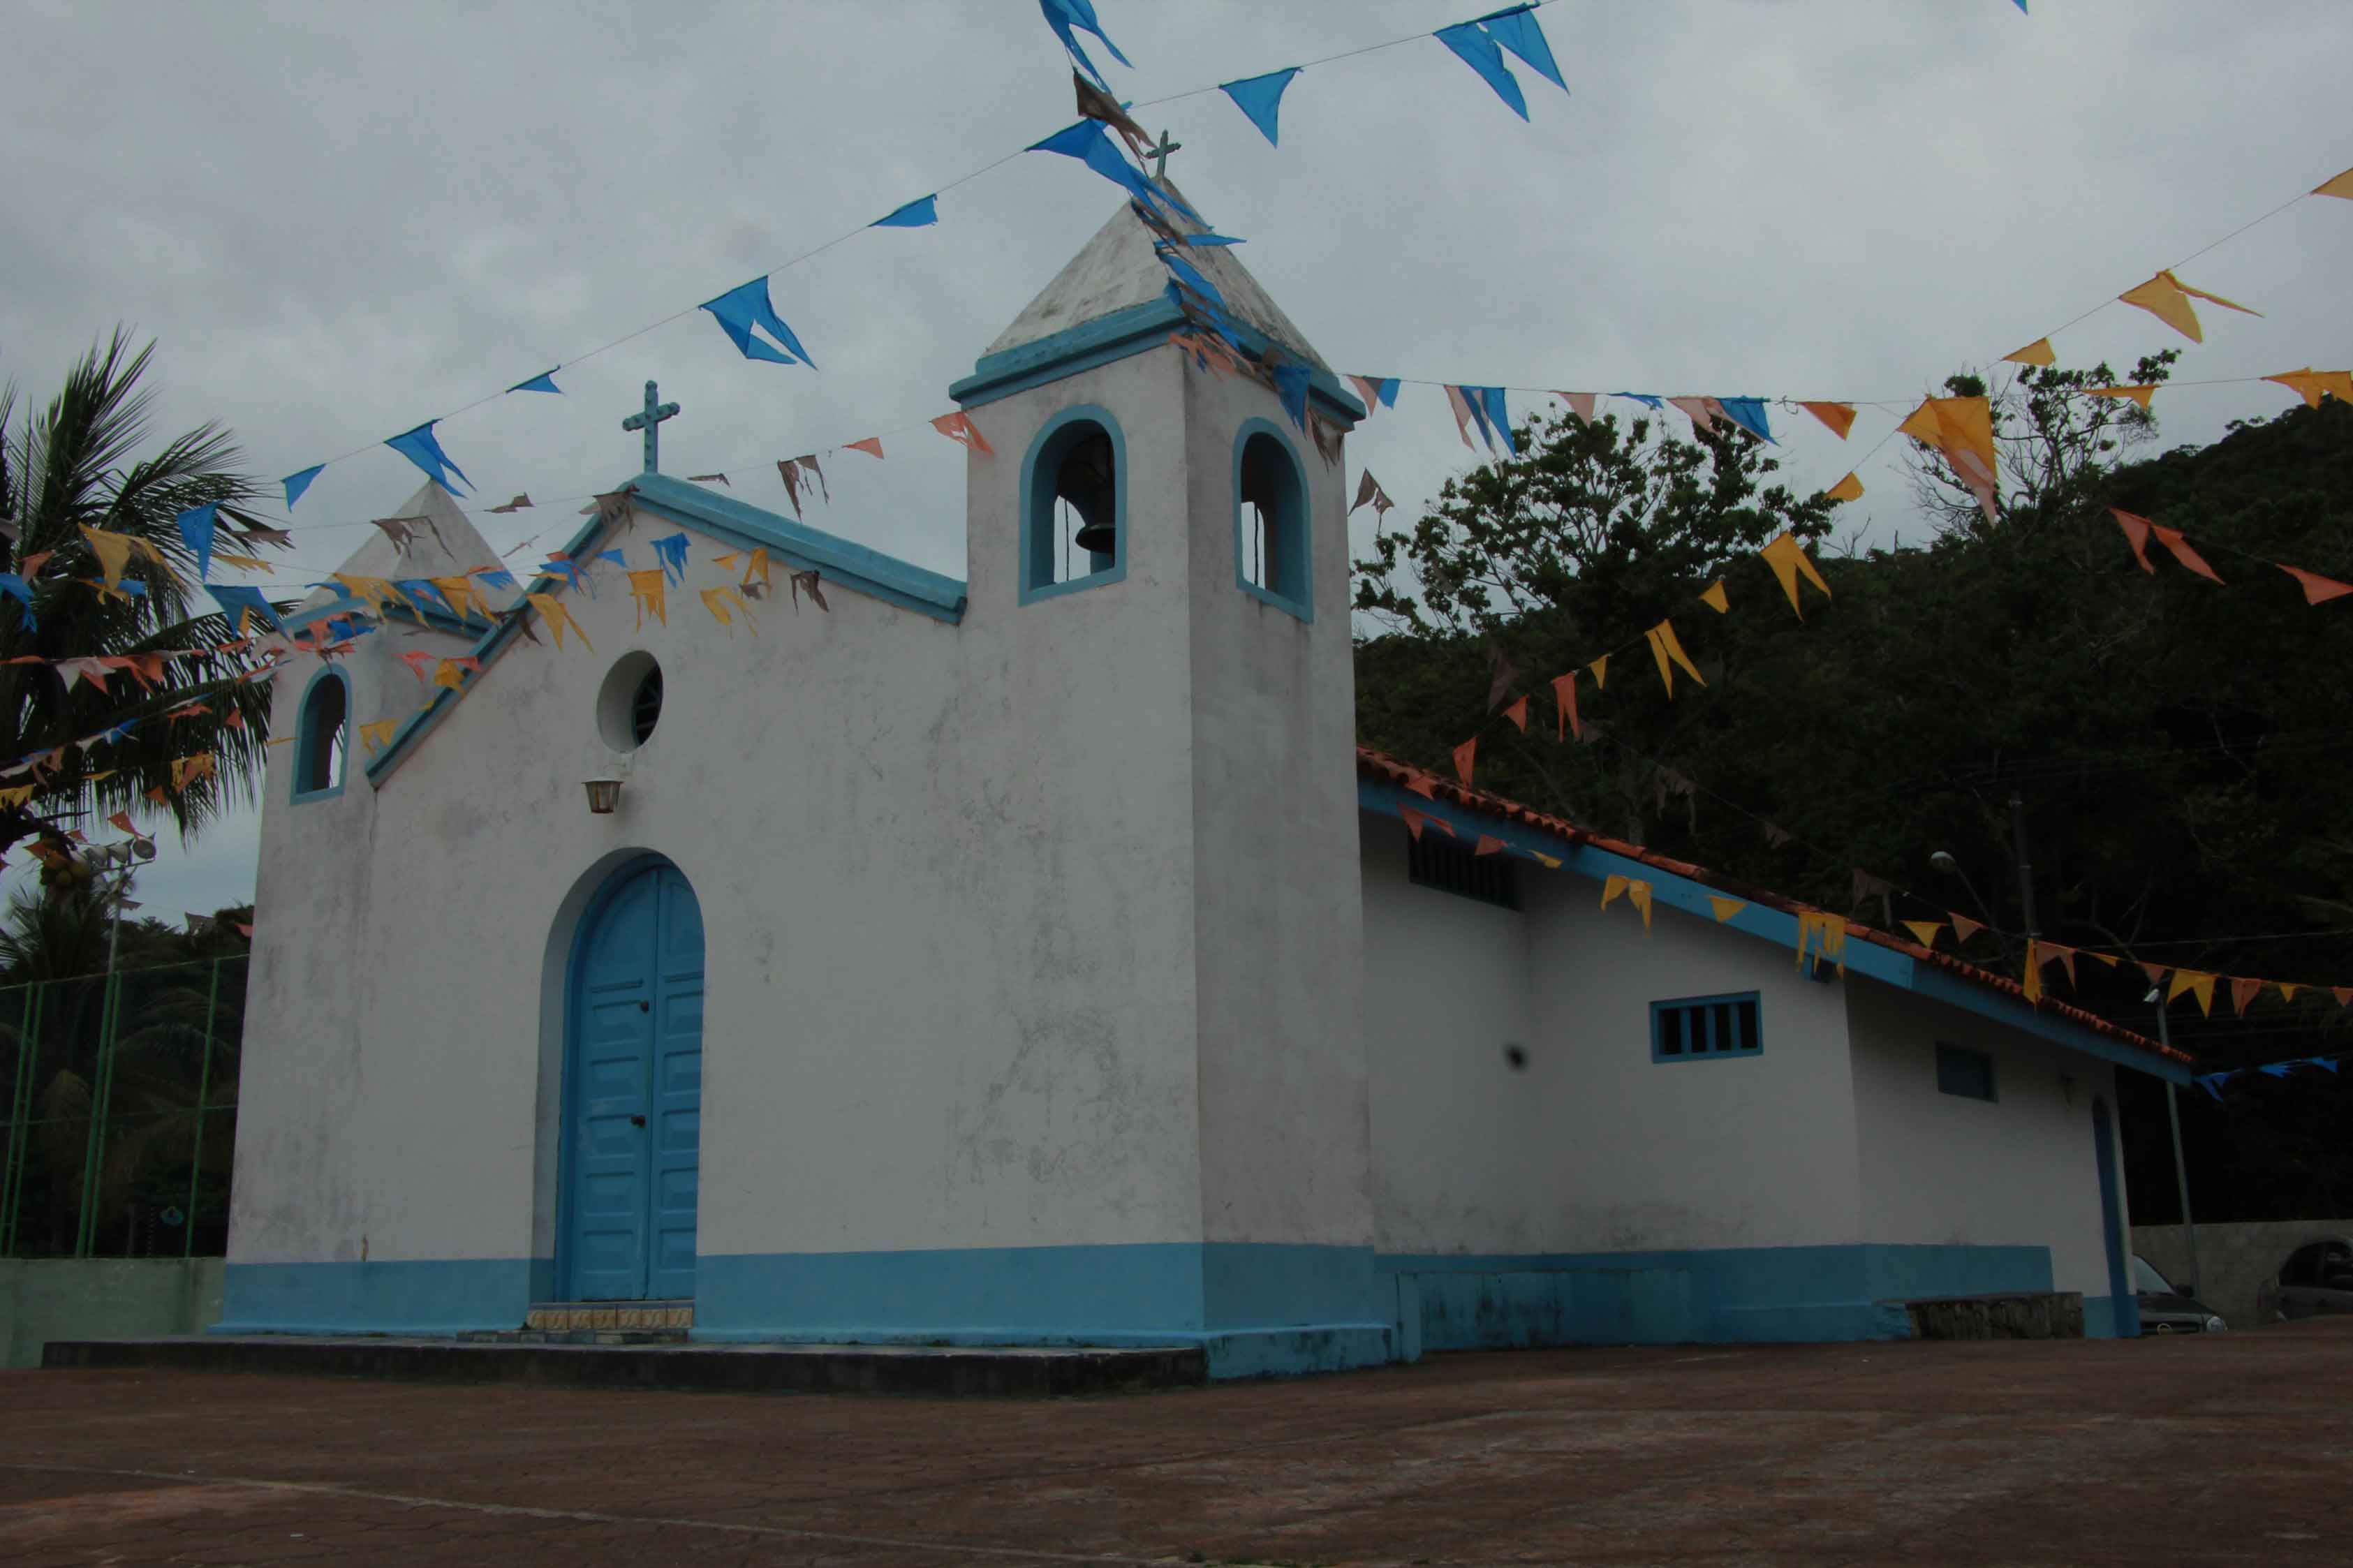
(1291, 536)
(1045, 450)
(306, 733)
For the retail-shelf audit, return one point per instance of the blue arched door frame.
(640, 1140)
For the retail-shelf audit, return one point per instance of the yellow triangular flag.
(449, 673)
(464, 596)
(373, 591)
(2140, 394)
(2313, 384)
(1839, 416)
(724, 604)
(1639, 895)
(2198, 984)
(2163, 299)
(2033, 971)
(112, 550)
(1847, 489)
(378, 733)
(1926, 931)
(2037, 352)
(552, 610)
(2342, 185)
(1714, 600)
(1724, 907)
(1601, 668)
(1612, 885)
(757, 566)
(1663, 648)
(1789, 558)
(1546, 862)
(2287, 992)
(1831, 931)
(646, 588)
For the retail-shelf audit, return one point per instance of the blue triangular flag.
(297, 483)
(920, 212)
(543, 382)
(741, 309)
(1207, 240)
(1643, 398)
(1065, 15)
(1472, 45)
(1490, 407)
(2328, 1062)
(2023, 10)
(1090, 145)
(1291, 385)
(672, 551)
(614, 556)
(237, 599)
(424, 591)
(501, 578)
(1517, 31)
(420, 447)
(2277, 1069)
(2212, 1083)
(1748, 413)
(15, 587)
(1187, 273)
(1261, 98)
(1388, 388)
(195, 526)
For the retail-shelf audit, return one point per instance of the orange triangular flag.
(1839, 416)
(1715, 598)
(2243, 992)
(2065, 955)
(2172, 539)
(2136, 531)
(2107, 958)
(1847, 489)
(2156, 971)
(1926, 931)
(2344, 994)
(959, 427)
(1600, 668)
(2140, 394)
(2342, 185)
(2318, 589)
(1464, 755)
(1414, 820)
(1564, 696)
(2312, 385)
(1964, 928)
(1960, 430)
(1518, 714)
(1488, 846)
(1663, 648)
(872, 446)
(1424, 785)
(1724, 907)
(1789, 558)
(2037, 352)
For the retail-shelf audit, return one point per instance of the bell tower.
(1158, 571)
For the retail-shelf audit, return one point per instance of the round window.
(629, 703)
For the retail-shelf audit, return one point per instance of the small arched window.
(323, 736)
(1270, 538)
(1074, 505)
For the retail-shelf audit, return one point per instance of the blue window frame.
(1964, 1072)
(1271, 559)
(1074, 505)
(1707, 1028)
(322, 730)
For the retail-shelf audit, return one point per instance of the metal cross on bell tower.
(1159, 154)
(650, 422)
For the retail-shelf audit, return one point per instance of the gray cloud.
(343, 219)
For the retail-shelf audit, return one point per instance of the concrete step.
(1018, 1372)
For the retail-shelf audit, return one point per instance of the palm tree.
(72, 466)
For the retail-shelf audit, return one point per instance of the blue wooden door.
(633, 1092)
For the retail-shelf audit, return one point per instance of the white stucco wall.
(1594, 1147)
(1940, 1168)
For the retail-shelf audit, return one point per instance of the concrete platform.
(933, 1371)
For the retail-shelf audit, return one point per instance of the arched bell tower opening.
(1074, 504)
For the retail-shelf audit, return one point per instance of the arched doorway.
(630, 1152)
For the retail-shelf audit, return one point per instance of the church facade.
(1035, 958)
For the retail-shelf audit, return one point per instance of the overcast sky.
(342, 220)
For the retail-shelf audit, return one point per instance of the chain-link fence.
(121, 1112)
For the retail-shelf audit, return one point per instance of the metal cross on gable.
(650, 421)
(1160, 155)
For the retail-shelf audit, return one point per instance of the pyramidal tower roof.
(448, 547)
(1117, 270)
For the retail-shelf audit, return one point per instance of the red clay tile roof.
(1378, 766)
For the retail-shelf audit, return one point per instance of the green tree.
(71, 465)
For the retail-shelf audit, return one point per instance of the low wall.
(2237, 1263)
(45, 1299)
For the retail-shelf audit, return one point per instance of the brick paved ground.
(2234, 1450)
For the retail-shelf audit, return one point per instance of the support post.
(94, 1142)
(2180, 1166)
(203, 1089)
(20, 1129)
(2025, 867)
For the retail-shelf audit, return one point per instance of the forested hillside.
(2177, 748)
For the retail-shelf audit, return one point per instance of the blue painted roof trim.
(1138, 329)
(793, 545)
(1776, 926)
